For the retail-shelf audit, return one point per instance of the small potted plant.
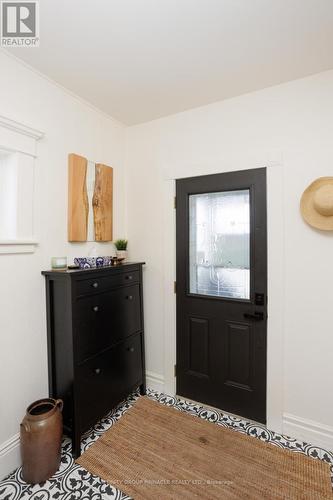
(121, 246)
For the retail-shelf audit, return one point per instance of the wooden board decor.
(78, 203)
(157, 452)
(81, 209)
(102, 202)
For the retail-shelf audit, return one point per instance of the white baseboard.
(309, 431)
(10, 457)
(155, 381)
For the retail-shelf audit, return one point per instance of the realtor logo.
(20, 23)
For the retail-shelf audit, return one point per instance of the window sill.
(17, 246)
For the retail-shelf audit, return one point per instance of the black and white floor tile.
(72, 482)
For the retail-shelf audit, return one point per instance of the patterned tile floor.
(72, 482)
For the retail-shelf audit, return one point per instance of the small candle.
(59, 262)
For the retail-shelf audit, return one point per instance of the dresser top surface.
(91, 269)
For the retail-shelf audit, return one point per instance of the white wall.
(289, 129)
(69, 125)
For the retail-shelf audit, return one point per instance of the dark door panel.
(221, 291)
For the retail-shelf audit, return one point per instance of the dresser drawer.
(104, 319)
(105, 380)
(99, 284)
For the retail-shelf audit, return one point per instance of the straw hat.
(317, 204)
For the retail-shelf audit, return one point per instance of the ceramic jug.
(41, 434)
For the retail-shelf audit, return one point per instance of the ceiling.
(138, 60)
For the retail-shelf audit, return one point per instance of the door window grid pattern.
(219, 244)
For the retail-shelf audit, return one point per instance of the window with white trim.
(17, 164)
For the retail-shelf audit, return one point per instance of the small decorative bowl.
(91, 262)
(116, 261)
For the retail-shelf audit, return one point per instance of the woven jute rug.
(156, 452)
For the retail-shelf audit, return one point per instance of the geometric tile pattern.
(72, 482)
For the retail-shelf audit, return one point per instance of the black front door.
(222, 291)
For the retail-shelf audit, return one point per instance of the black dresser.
(95, 341)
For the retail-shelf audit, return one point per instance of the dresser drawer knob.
(97, 371)
(130, 349)
(129, 297)
(95, 284)
(128, 277)
(95, 309)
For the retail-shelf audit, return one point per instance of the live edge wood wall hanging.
(79, 204)
(102, 202)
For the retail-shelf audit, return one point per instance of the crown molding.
(70, 93)
(20, 128)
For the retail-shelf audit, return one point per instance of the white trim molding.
(20, 128)
(17, 246)
(10, 455)
(309, 431)
(155, 381)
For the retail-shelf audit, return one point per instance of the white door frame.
(276, 279)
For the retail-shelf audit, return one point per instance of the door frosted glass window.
(220, 244)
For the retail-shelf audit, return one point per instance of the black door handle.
(256, 316)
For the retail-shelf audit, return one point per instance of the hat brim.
(308, 211)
